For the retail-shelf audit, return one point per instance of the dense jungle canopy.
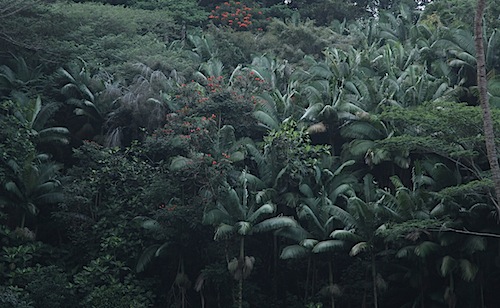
(211, 153)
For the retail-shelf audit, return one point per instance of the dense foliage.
(246, 154)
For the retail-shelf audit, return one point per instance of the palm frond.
(346, 235)
(12, 188)
(267, 120)
(243, 227)
(146, 257)
(223, 231)
(274, 223)
(54, 134)
(468, 269)
(448, 264)
(49, 198)
(295, 233)
(359, 247)
(232, 203)
(306, 190)
(268, 208)
(309, 243)
(312, 112)
(329, 246)
(294, 252)
(426, 248)
(216, 216)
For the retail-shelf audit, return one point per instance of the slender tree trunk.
(275, 266)
(23, 220)
(482, 83)
(330, 279)
(421, 283)
(307, 278)
(241, 263)
(374, 279)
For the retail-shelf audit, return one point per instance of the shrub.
(239, 16)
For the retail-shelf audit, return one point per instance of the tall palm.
(364, 216)
(239, 212)
(80, 90)
(484, 100)
(319, 214)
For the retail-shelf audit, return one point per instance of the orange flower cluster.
(236, 15)
(215, 84)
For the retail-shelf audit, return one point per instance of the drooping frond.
(295, 233)
(275, 223)
(359, 247)
(329, 246)
(146, 257)
(267, 208)
(223, 231)
(426, 248)
(346, 235)
(216, 216)
(448, 264)
(243, 227)
(468, 269)
(294, 252)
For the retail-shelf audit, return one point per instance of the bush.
(118, 296)
(49, 287)
(13, 298)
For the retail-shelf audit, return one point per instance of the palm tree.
(19, 78)
(320, 215)
(239, 213)
(35, 116)
(362, 220)
(34, 186)
(484, 100)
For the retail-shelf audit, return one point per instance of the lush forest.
(305, 153)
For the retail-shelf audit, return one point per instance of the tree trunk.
(241, 262)
(374, 279)
(330, 279)
(307, 278)
(482, 83)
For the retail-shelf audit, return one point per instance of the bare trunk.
(307, 278)
(482, 83)
(330, 278)
(241, 262)
(374, 279)
(275, 266)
